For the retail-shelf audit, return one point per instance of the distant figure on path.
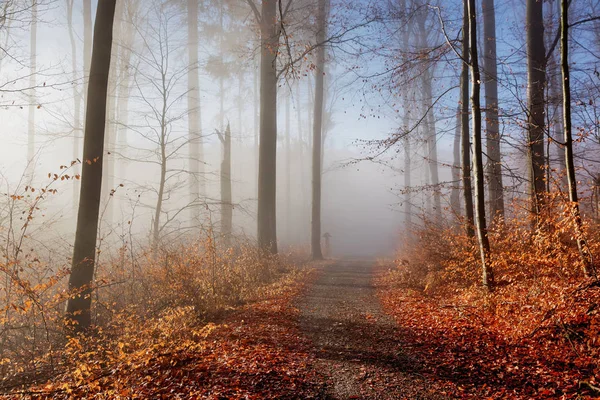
(327, 244)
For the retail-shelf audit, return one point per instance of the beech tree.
(480, 220)
(536, 119)
(226, 199)
(317, 132)
(195, 152)
(84, 252)
(490, 70)
(465, 135)
(267, 160)
(584, 250)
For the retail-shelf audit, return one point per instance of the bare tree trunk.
(406, 140)
(455, 193)
(315, 242)
(84, 253)
(465, 136)
(584, 250)
(555, 103)
(429, 125)
(226, 193)
(484, 244)
(161, 191)
(288, 170)
(267, 168)
(76, 105)
(87, 45)
(256, 122)
(490, 68)
(536, 82)
(32, 93)
(302, 163)
(195, 152)
(125, 82)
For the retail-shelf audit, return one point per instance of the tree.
(480, 221)
(32, 84)
(84, 252)
(196, 152)
(455, 193)
(490, 69)
(87, 44)
(226, 198)
(465, 136)
(267, 159)
(584, 251)
(315, 242)
(429, 127)
(536, 119)
(76, 100)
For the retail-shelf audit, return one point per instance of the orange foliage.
(534, 336)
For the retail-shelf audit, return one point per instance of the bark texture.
(584, 251)
(465, 135)
(267, 159)
(195, 152)
(490, 68)
(480, 220)
(317, 142)
(84, 253)
(536, 83)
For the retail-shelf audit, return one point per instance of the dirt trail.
(355, 343)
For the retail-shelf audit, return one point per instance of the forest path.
(356, 344)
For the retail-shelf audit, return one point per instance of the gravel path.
(355, 343)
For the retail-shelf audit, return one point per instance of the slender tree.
(226, 197)
(490, 69)
(195, 152)
(429, 128)
(87, 45)
(315, 241)
(84, 252)
(480, 221)
(76, 102)
(455, 192)
(584, 251)
(267, 158)
(465, 136)
(32, 84)
(536, 83)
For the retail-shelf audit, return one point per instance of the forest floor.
(357, 348)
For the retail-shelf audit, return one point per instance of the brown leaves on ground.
(256, 352)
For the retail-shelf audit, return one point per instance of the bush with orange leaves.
(534, 336)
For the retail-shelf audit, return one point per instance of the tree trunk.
(84, 253)
(256, 124)
(267, 168)
(125, 84)
(455, 193)
(32, 94)
(584, 250)
(406, 139)
(161, 192)
(429, 125)
(536, 82)
(195, 152)
(226, 193)
(465, 135)
(288, 170)
(484, 244)
(76, 105)
(315, 242)
(490, 68)
(87, 45)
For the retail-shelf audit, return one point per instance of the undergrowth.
(536, 335)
